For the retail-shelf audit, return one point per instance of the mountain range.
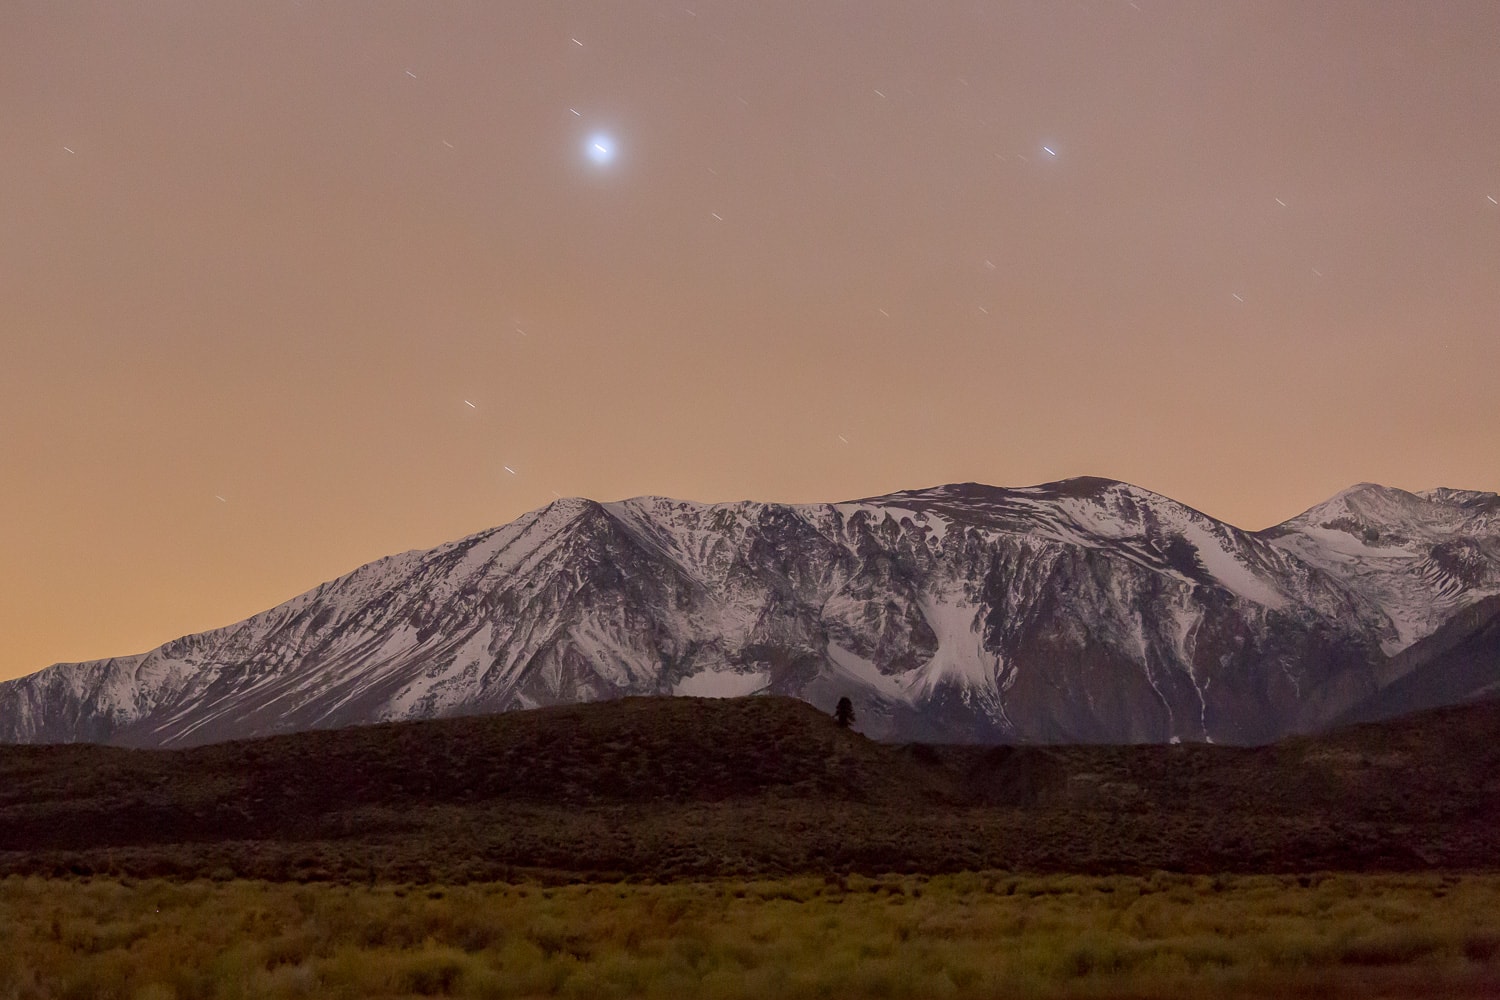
(1080, 611)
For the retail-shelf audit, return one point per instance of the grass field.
(973, 935)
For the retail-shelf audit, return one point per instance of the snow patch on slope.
(442, 688)
(961, 656)
(934, 525)
(1225, 566)
(862, 671)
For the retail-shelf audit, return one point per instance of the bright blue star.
(600, 148)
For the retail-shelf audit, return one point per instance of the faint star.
(1237, 296)
(1317, 272)
(1281, 203)
(879, 94)
(716, 215)
(447, 143)
(984, 310)
(411, 74)
(885, 314)
(220, 499)
(843, 439)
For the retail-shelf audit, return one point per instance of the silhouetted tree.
(843, 713)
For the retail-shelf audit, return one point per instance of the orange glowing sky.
(265, 252)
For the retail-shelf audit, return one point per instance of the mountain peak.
(1372, 505)
(1086, 487)
(1361, 501)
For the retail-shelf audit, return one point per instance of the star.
(1490, 197)
(1049, 150)
(470, 405)
(600, 148)
(65, 148)
(508, 469)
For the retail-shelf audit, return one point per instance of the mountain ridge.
(1080, 610)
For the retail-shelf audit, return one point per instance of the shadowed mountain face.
(1081, 611)
(1458, 663)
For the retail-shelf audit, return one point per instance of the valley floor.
(963, 935)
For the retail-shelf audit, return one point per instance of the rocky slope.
(1080, 611)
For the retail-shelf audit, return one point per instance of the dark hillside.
(1460, 662)
(634, 751)
(672, 787)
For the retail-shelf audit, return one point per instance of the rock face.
(1080, 611)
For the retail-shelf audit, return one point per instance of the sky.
(289, 286)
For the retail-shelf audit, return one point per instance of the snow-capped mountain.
(1420, 557)
(1083, 610)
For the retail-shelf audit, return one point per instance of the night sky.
(286, 287)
